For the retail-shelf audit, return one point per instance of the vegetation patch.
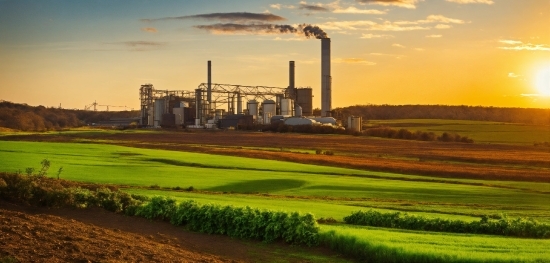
(260, 186)
(240, 222)
(502, 226)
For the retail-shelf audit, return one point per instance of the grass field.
(479, 131)
(321, 190)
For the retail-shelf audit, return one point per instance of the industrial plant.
(214, 105)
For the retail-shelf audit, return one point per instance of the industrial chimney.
(291, 83)
(209, 88)
(326, 79)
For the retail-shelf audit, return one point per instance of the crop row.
(240, 222)
(507, 227)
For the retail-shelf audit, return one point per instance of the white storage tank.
(298, 111)
(178, 112)
(253, 108)
(269, 109)
(325, 120)
(355, 123)
(300, 121)
(286, 107)
(160, 105)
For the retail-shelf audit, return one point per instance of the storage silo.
(253, 109)
(269, 110)
(160, 105)
(286, 107)
(304, 98)
(355, 123)
(298, 111)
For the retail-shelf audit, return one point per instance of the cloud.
(315, 8)
(369, 36)
(411, 4)
(442, 26)
(398, 45)
(488, 2)
(355, 10)
(432, 19)
(393, 26)
(510, 42)
(354, 61)
(434, 36)
(281, 6)
(513, 75)
(149, 29)
(520, 46)
(370, 25)
(333, 7)
(225, 17)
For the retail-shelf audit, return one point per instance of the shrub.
(246, 222)
(517, 227)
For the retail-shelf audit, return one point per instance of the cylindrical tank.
(252, 107)
(325, 120)
(286, 107)
(355, 123)
(239, 103)
(299, 121)
(297, 111)
(269, 110)
(160, 105)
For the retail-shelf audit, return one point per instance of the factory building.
(224, 105)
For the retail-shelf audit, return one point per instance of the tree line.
(474, 113)
(39, 118)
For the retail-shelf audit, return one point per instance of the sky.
(452, 52)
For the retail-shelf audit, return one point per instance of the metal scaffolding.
(224, 96)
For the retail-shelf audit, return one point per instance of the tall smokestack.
(326, 79)
(291, 75)
(209, 89)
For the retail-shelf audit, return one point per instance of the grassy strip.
(503, 226)
(367, 251)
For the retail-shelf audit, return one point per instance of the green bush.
(44, 191)
(507, 227)
(240, 222)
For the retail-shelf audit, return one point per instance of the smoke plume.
(309, 31)
(313, 31)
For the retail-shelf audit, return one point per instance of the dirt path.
(35, 234)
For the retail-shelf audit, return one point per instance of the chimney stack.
(291, 83)
(326, 79)
(209, 89)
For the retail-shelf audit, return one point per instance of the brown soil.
(35, 234)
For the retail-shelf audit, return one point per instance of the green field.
(323, 191)
(479, 131)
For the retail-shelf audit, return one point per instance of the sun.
(543, 82)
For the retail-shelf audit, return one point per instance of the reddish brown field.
(437, 159)
(34, 234)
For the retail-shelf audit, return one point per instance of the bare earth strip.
(35, 234)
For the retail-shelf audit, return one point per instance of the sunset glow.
(543, 82)
(452, 52)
